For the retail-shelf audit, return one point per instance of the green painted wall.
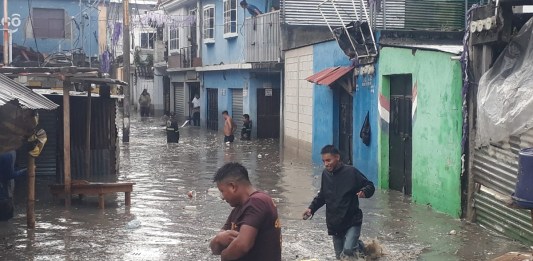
(436, 125)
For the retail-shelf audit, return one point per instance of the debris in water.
(190, 207)
(453, 232)
(133, 224)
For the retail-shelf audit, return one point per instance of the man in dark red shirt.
(253, 230)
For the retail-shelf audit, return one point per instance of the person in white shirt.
(196, 110)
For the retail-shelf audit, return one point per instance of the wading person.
(195, 103)
(252, 231)
(246, 131)
(229, 128)
(7, 184)
(144, 103)
(341, 187)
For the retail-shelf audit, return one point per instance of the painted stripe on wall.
(384, 113)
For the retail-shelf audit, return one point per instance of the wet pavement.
(164, 224)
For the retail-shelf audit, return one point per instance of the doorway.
(400, 134)
(212, 109)
(345, 126)
(194, 88)
(268, 106)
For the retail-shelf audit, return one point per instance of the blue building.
(233, 79)
(51, 26)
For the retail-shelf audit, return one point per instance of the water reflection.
(164, 224)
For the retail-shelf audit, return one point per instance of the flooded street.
(164, 224)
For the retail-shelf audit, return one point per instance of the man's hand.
(226, 237)
(361, 194)
(307, 214)
(222, 240)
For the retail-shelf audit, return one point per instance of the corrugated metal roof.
(11, 90)
(445, 15)
(329, 75)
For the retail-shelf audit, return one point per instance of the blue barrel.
(523, 193)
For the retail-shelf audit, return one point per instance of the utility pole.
(126, 72)
(6, 35)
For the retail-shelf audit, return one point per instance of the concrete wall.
(437, 123)
(298, 107)
(365, 158)
(325, 105)
(326, 111)
(18, 14)
(226, 50)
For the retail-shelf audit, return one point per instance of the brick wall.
(298, 110)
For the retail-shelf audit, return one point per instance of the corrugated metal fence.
(495, 171)
(387, 14)
(263, 38)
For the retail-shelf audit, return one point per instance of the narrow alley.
(164, 224)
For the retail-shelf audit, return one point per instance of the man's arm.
(319, 199)
(222, 240)
(367, 188)
(257, 12)
(241, 245)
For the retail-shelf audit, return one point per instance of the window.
(174, 39)
(48, 23)
(147, 40)
(230, 18)
(209, 24)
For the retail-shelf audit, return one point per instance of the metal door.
(212, 109)
(179, 100)
(237, 107)
(400, 133)
(345, 126)
(268, 106)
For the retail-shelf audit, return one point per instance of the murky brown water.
(163, 224)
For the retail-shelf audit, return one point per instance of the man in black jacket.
(341, 187)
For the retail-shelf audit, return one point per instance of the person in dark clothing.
(246, 131)
(341, 187)
(7, 174)
(252, 9)
(144, 103)
(253, 230)
(173, 133)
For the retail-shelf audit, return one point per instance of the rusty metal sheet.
(329, 75)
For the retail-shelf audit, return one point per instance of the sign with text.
(268, 92)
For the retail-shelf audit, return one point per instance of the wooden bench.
(99, 189)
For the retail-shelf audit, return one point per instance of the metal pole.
(66, 139)
(6, 35)
(88, 134)
(126, 71)
(10, 46)
(30, 208)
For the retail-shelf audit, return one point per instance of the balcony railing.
(186, 57)
(263, 40)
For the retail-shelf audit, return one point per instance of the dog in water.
(373, 250)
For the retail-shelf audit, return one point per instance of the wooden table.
(100, 189)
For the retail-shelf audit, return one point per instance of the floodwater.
(164, 224)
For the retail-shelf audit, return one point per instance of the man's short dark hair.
(330, 149)
(232, 171)
(246, 116)
(225, 112)
(244, 3)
